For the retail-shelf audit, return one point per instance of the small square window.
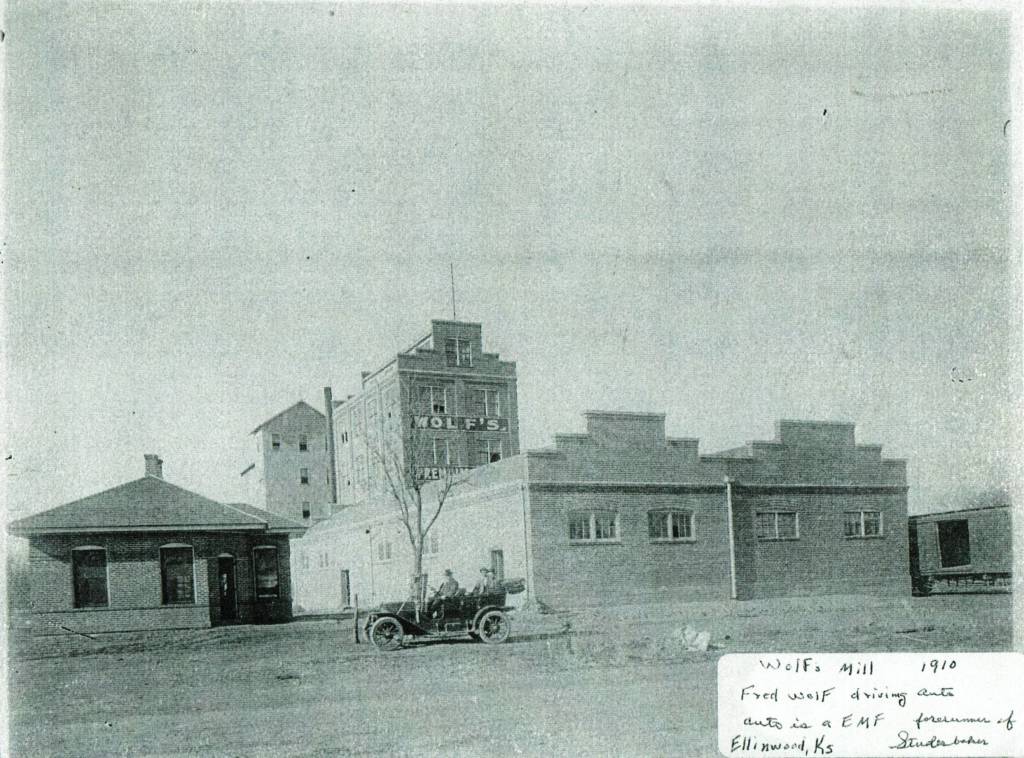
(670, 526)
(777, 525)
(489, 451)
(593, 526)
(872, 523)
(433, 545)
(579, 527)
(605, 526)
(433, 400)
(862, 524)
(458, 352)
(487, 402)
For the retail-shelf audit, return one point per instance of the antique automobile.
(481, 617)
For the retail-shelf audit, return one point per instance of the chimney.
(332, 473)
(154, 466)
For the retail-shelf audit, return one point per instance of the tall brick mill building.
(624, 513)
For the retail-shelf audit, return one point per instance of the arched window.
(177, 574)
(89, 572)
(264, 561)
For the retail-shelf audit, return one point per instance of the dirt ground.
(616, 682)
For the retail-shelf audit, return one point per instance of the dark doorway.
(498, 564)
(226, 584)
(954, 543)
(346, 590)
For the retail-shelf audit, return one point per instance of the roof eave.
(32, 530)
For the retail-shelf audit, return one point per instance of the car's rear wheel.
(494, 628)
(386, 634)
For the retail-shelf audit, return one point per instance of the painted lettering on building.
(460, 423)
(437, 472)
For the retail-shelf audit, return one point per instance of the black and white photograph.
(430, 379)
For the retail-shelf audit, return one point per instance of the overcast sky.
(729, 215)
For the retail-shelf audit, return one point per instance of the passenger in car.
(486, 584)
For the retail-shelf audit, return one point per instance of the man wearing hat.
(448, 588)
(487, 582)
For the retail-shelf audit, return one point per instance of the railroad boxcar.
(961, 550)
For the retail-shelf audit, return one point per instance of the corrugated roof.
(150, 503)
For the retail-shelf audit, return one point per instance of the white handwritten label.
(877, 704)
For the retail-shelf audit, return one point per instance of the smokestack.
(154, 466)
(332, 473)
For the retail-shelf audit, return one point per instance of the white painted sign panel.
(881, 704)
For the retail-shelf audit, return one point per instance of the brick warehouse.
(625, 513)
(150, 555)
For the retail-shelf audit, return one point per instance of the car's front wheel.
(386, 634)
(494, 628)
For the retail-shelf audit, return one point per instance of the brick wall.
(624, 464)
(821, 560)
(635, 568)
(134, 583)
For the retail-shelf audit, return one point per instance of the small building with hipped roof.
(148, 555)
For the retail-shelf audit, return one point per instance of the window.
(433, 399)
(303, 476)
(487, 402)
(862, 524)
(303, 443)
(670, 526)
(304, 556)
(458, 352)
(89, 570)
(432, 545)
(176, 574)
(777, 525)
(264, 561)
(594, 526)
(445, 452)
(954, 543)
(489, 451)
(384, 550)
(275, 441)
(305, 509)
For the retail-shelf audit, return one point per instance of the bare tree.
(405, 474)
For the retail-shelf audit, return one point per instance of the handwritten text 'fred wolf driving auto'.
(885, 704)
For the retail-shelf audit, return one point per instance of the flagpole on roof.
(452, 268)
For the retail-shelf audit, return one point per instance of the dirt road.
(617, 684)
